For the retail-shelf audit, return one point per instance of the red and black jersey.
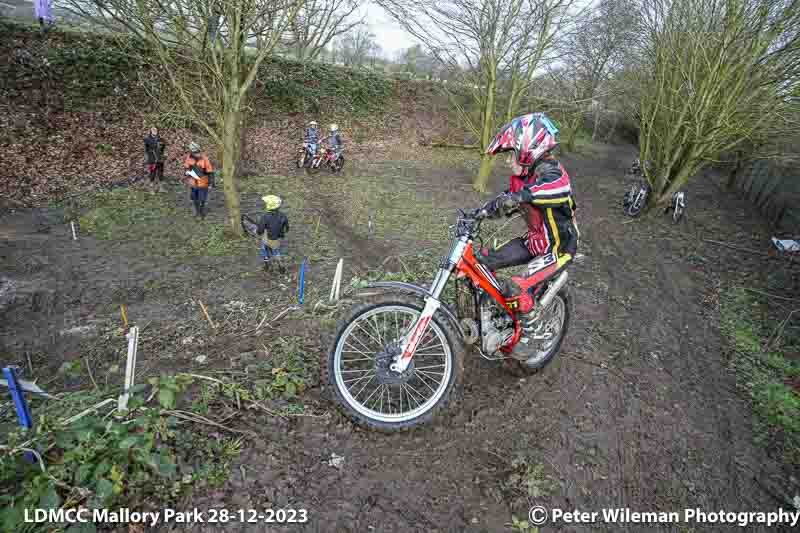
(550, 213)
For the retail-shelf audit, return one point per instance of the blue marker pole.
(301, 282)
(17, 394)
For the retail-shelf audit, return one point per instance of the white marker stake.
(74, 235)
(337, 282)
(133, 342)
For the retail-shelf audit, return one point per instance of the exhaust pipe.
(556, 286)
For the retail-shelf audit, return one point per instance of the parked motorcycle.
(397, 356)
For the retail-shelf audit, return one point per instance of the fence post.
(130, 368)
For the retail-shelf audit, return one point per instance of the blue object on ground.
(23, 413)
(301, 282)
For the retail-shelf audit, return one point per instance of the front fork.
(410, 341)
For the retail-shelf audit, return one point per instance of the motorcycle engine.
(497, 328)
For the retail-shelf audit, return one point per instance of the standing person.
(273, 225)
(154, 147)
(44, 14)
(199, 172)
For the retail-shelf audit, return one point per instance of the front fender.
(423, 294)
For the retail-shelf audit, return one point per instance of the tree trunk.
(596, 121)
(572, 133)
(482, 181)
(230, 150)
(737, 166)
(487, 132)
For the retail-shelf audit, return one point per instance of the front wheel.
(362, 350)
(546, 338)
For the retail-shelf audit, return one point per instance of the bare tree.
(356, 46)
(716, 75)
(480, 42)
(319, 23)
(210, 79)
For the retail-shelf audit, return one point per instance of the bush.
(312, 87)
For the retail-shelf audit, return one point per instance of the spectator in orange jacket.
(199, 174)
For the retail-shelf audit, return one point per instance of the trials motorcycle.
(397, 356)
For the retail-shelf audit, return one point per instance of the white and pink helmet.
(529, 136)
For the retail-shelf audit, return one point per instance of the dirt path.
(639, 411)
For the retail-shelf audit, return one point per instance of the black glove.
(494, 208)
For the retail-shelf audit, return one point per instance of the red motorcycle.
(328, 157)
(398, 355)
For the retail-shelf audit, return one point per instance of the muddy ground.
(640, 410)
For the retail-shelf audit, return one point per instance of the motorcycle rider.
(334, 140)
(540, 188)
(312, 136)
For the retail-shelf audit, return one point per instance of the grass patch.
(157, 222)
(763, 369)
(397, 213)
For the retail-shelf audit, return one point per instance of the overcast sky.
(391, 35)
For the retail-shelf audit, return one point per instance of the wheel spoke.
(354, 349)
(417, 396)
(362, 344)
(432, 375)
(362, 388)
(359, 326)
(359, 379)
(422, 380)
(359, 359)
(366, 402)
(373, 321)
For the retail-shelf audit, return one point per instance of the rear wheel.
(363, 347)
(338, 164)
(551, 330)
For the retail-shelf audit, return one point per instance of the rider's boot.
(527, 290)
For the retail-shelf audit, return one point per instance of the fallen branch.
(191, 417)
(261, 323)
(779, 331)
(602, 366)
(772, 295)
(258, 328)
(734, 247)
(87, 411)
(89, 370)
(205, 312)
(457, 146)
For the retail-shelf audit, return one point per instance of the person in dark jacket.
(154, 149)
(272, 226)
